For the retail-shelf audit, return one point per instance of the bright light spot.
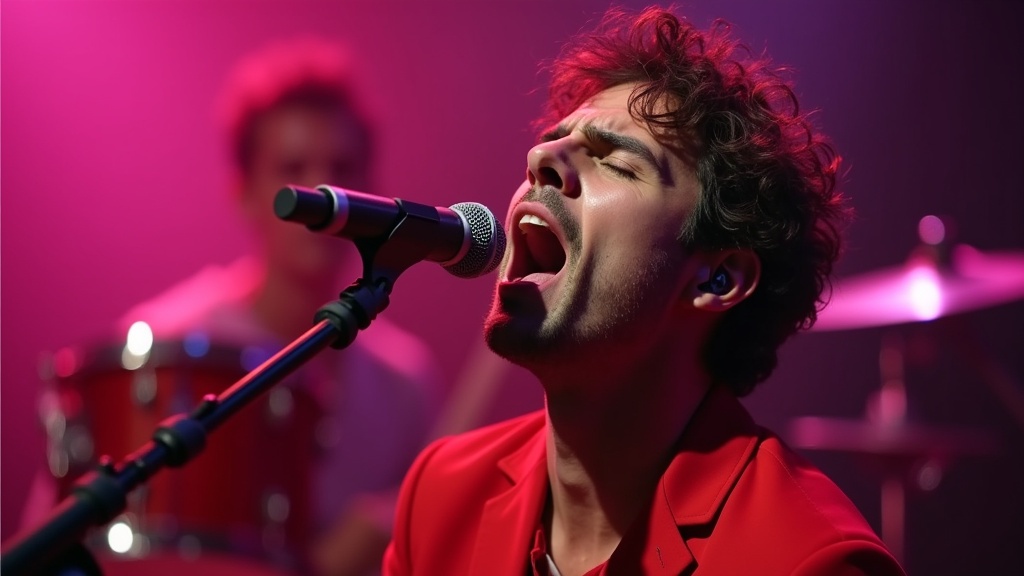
(924, 293)
(131, 361)
(931, 230)
(120, 537)
(137, 347)
(140, 339)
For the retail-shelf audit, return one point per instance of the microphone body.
(465, 238)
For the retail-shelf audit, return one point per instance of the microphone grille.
(487, 241)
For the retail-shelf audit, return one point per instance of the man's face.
(595, 265)
(307, 147)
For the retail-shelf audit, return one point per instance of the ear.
(726, 278)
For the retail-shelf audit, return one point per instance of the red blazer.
(733, 501)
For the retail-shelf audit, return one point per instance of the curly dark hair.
(768, 179)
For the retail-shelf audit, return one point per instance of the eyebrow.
(614, 140)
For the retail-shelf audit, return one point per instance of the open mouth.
(538, 253)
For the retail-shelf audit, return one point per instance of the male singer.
(678, 221)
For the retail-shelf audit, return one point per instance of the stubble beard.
(527, 333)
(591, 319)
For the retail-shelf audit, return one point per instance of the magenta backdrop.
(113, 187)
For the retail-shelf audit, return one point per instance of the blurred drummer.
(292, 116)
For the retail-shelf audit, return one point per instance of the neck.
(609, 442)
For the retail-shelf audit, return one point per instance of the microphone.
(465, 238)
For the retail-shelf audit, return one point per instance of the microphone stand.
(100, 496)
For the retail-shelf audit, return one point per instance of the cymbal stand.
(887, 408)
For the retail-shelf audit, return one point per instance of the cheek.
(630, 224)
(634, 248)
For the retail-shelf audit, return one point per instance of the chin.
(498, 329)
(520, 340)
(508, 337)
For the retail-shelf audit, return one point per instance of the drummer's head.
(292, 116)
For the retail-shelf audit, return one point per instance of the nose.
(549, 164)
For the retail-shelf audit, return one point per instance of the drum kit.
(937, 281)
(238, 508)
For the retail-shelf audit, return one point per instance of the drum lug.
(276, 507)
(144, 387)
(280, 405)
(69, 443)
(276, 510)
(78, 445)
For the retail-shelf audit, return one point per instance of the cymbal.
(922, 290)
(887, 439)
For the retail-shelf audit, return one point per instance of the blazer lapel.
(511, 518)
(719, 442)
(653, 543)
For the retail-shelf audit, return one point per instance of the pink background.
(113, 187)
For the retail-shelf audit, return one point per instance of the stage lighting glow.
(120, 537)
(140, 339)
(931, 230)
(923, 291)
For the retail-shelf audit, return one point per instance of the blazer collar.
(716, 446)
(712, 453)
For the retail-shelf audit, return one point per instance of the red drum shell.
(245, 494)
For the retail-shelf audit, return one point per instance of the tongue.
(545, 249)
(537, 277)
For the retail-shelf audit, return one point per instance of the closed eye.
(621, 171)
(604, 143)
(610, 142)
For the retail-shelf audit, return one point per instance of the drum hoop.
(172, 353)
